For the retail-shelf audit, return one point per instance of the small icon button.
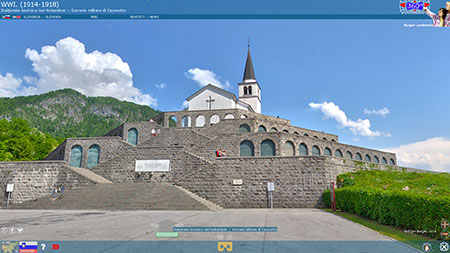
(443, 246)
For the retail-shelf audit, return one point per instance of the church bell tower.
(249, 90)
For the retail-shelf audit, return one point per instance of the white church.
(211, 97)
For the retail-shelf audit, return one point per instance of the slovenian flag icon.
(7, 16)
(28, 247)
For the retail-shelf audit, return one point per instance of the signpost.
(271, 189)
(9, 190)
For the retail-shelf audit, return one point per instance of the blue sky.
(355, 64)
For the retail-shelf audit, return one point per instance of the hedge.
(400, 209)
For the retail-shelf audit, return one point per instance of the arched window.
(358, 157)
(289, 149)
(285, 131)
(303, 149)
(333, 140)
(306, 135)
(325, 139)
(243, 116)
(295, 133)
(338, 153)
(349, 155)
(244, 128)
(273, 129)
(262, 129)
(75, 156)
(246, 149)
(93, 156)
(391, 161)
(172, 121)
(316, 137)
(229, 116)
(214, 119)
(383, 160)
(245, 90)
(315, 150)
(367, 158)
(375, 159)
(132, 136)
(250, 90)
(186, 121)
(327, 151)
(267, 148)
(200, 121)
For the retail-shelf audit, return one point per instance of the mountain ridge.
(68, 113)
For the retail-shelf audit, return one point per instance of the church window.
(244, 128)
(295, 133)
(245, 90)
(324, 138)
(285, 131)
(375, 159)
(307, 135)
(333, 140)
(303, 149)
(250, 90)
(289, 149)
(262, 129)
(315, 136)
(93, 156)
(132, 137)
(383, 160)
(391, 161)
(229, 116)
(186, 121)
(173, 121)
(200, 121)
(214, 119)
(327, 151)
(367, 158)
(338, 153)
(75, 156)
(315, 150)
(246, 149)
(267, 148)
(358, 157)
(273, 129)
(243, 116)
(349, 155)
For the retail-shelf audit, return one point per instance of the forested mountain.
(68, 113)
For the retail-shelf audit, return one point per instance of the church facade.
(180, 147)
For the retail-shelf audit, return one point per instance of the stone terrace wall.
(33, 180)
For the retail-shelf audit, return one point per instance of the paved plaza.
(98, 225)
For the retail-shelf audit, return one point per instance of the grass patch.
(412, 240)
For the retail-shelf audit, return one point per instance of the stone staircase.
(90, 175)
(124, 196)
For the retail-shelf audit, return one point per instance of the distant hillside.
(68, 113)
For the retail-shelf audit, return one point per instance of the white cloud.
(68, 65)
(161, 86)
(11, 86)
(204, 77)
(432, 154)
(382, 112)
(360, 126)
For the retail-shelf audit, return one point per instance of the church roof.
(213, 87)
(249, 73)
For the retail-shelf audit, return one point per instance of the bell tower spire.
(249, 90)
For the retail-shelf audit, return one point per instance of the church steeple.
(249, 73)
(249, 90)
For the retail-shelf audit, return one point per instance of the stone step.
(204, 201)
(124, 196)
(90, 175)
